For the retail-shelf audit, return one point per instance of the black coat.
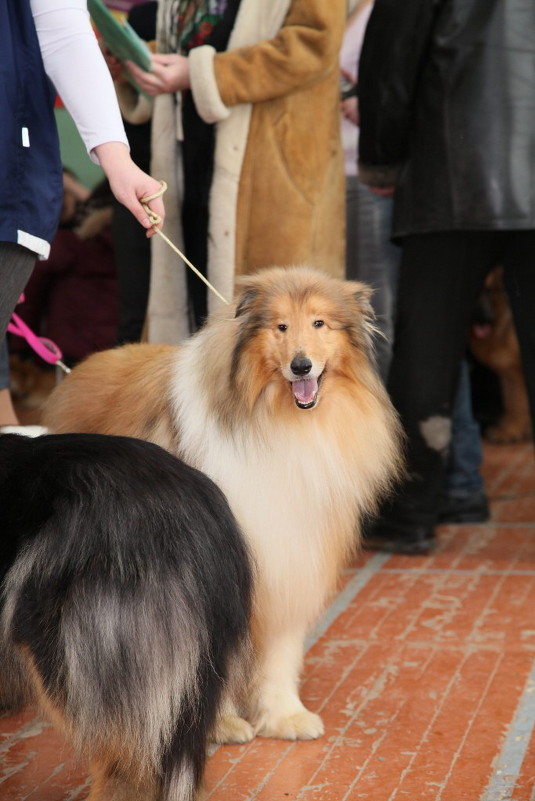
(447, 105)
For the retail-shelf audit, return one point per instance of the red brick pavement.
(423, 671)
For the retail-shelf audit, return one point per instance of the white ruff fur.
(283, 484)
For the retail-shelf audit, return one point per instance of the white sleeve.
(76, 67)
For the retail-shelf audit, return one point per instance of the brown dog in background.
(494, 344)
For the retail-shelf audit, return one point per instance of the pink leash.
(44, 347)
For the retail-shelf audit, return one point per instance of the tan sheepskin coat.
(278, 188)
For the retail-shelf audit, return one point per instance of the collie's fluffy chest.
(290, 489)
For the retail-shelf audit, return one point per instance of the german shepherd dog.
(277, 401)
(493, 342)
(126, 590)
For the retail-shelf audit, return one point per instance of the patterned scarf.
(192, 22)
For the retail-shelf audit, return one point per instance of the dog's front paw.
(233, 729)
(301, 725)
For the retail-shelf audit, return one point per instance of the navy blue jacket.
(31, 187)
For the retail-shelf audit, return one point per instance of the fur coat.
(277, 194)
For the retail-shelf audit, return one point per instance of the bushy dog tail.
(128, 602)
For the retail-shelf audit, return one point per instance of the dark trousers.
(440, 277)
(16, 265)
(132, 259)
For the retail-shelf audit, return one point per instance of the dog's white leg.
(279, 710)
(230, 727)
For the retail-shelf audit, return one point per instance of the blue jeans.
(372, 258)
(463, 477)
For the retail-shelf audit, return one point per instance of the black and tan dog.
(125, 596)
(494, 344)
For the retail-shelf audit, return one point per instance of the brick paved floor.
(422, 668)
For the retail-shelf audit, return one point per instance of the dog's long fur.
(300, 468)
(126, 596)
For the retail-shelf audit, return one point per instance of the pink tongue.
(305, 390)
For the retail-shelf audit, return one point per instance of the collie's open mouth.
(305, 392)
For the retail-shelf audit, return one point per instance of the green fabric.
(195, 21)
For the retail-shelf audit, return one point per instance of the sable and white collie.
(277, 401)
(125, 603)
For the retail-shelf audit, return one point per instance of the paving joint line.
(363, 575)
(508, 764)
(456, 571)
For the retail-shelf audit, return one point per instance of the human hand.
(129, 184)
(170, 73)
(348, 76)
(382, 191)
(350, 109)
(73, 187)
(114, 65)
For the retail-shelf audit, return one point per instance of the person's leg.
(7, 412)
(16, 265)
(519, 278)
(440, 277)
(464, 498)
(132, 258)
(372, 258)
(352, 240)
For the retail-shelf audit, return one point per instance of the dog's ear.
(363, 330)
(361, 295)
(245, 300)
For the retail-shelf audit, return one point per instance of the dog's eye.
(318, 323)
(282, 326)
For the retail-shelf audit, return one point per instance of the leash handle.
(47, 349)
(44, 347)
(155, 220)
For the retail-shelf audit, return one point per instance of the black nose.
(301, 365)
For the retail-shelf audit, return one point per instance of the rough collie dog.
(126, 589)
(277, 401)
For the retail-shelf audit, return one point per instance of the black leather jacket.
(447, 107)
